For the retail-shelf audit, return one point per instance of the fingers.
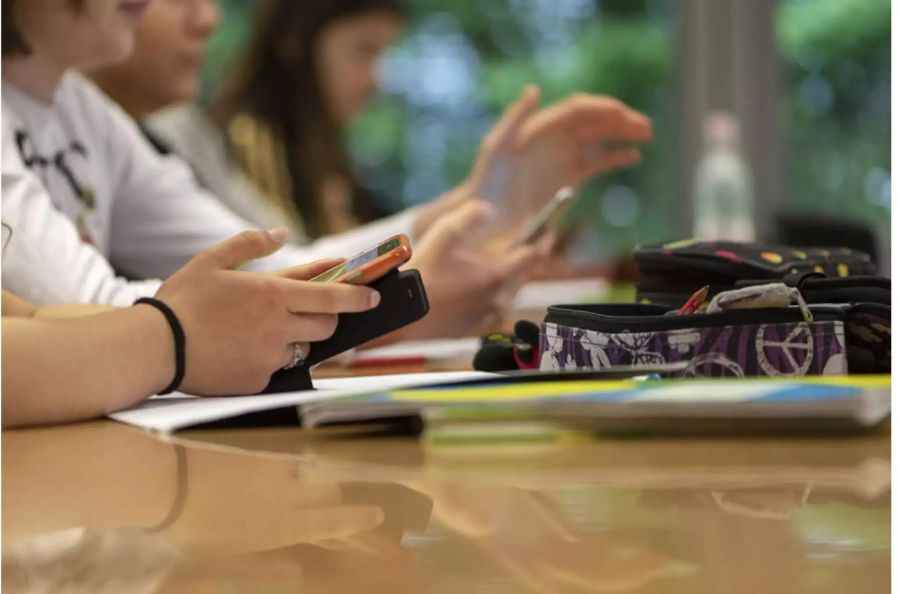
(609, 160)
(311, 327)
(507, 127)
(246, 246)
(311, 270)
(451, 230)
(327, 298)
(519, 261)
(490, 169)
(621, 127)
(590, 119)
(288, 357)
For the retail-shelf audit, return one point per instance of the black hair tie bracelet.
(177, 333)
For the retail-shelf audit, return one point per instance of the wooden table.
(102, 507)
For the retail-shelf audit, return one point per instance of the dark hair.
(13, 44)
(279, 86)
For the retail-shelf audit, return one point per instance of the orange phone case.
(371, 271)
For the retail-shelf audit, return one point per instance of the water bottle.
(723, 195)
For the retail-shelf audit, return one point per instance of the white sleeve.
(44, 259)
(161, 216)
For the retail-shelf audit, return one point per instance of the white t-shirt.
(82, 188)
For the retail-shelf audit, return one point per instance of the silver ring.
(298, 357)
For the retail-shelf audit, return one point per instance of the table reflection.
(104, 508)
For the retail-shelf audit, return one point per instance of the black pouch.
(840, 339)
(671, 272)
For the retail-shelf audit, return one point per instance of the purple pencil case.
(840, 339)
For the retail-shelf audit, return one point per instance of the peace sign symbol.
(704, 366)
(792, 355)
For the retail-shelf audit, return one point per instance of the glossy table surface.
(100, 507)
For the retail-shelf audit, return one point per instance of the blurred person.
(270, 144)
(81, 184)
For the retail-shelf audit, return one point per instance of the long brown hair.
(283, 90)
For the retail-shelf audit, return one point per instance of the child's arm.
(58, 370)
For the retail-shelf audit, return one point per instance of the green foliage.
(838, 143)
(835, 111)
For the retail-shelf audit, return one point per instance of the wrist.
(430, 213)
(159, 357)
(178, 338)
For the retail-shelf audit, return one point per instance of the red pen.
(363, 362)
(694, 302)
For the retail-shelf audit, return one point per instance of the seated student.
(107, 193)
(270, 145)
(65, 363)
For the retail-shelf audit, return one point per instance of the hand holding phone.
(372, 264)
(549, 216)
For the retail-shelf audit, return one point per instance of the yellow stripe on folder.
(560, 389)
(516, 391)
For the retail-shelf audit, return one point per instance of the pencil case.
(670, 272)
(839, 339)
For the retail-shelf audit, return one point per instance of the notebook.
(488, 410)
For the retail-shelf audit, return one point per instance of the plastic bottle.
(723, 194)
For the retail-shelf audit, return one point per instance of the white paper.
(178, 411)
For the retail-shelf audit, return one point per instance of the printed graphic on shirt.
(58, 171)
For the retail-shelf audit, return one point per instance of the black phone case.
(403, 301)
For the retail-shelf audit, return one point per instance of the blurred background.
(808, 82)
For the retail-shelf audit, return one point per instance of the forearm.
(65, 370)
(71, 310)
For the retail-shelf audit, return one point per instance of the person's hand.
(240, 326)
(491, 171)
(466, 288)
(529, 155)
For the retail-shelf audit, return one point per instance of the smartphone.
(370, 265)
(549, 216)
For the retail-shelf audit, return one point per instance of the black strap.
(177, 334)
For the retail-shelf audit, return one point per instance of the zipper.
(653, 323)
(869, 307)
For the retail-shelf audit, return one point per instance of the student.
(320, 59)
(105, 192)
(65, 363)
(270, 145)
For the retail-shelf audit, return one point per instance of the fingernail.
(374, 299)
(278, 233)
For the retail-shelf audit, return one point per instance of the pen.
(363, 362)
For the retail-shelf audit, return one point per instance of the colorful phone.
(370, 265)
